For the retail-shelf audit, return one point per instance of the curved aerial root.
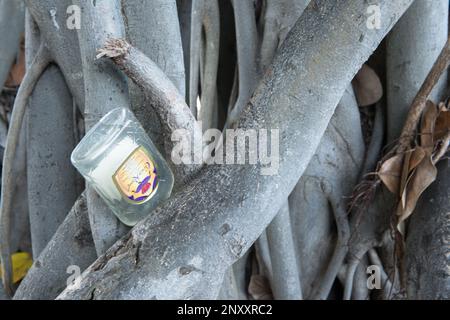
(39, 64)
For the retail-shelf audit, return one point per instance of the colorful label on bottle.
(137, 178)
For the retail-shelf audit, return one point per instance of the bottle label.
(136, 178)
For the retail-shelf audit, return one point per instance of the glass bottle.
(120, 161)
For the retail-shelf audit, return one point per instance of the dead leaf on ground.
(390, 173)
(367, 86)
(424, 175)
(417, 155)
(442, 126)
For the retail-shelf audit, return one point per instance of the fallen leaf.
(442, 125)
(405, 170)
(424, 175)
(427, 126)
(417, 155)
(21, 263)
(367, 86)
(390, 173)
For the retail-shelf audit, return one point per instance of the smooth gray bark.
(12, 24)
(152, 27)
(428, 242)
(184, 8)
(285, 275)
(51, 17)
(196, 239)
(209, 63)
(336, 164)
(246, 47)
(71, 245)
(103, 84)
(278, 18)
(39, 64)
(165, 100)
(52, 184)
(412, 48)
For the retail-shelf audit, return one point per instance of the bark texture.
(188, 243)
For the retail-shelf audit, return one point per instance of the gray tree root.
(376, 142)
(278, 18)
(38, 66)
(38, 134)
(51, 17)
(204, 59)
(152, 27)
(411, 52)
(318, 199)
(247, 45)
(20, 223)
(71, 245)
(234, 285)
(428, 242)
(12, 23)
(285, 276)
(164, 97)
(370, 227)
(197, 14)
(103, 83)
(52, 184)
(386, 283)
(197, 239)
(360, 289)
(184, 15)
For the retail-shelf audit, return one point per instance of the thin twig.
(159, 89)
(420, 100)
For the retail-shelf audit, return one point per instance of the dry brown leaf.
(259, 288)
(367, 86)
(424, 175)
(442, 125)
(390, 173)
(405, 170)
(417, 155)
(427, 126)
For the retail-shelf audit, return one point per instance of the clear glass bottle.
(120, 161)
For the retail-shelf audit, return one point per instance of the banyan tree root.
(410, 167)
(167, 102)
(405, 172)
(165, 250)
(71, 249)
(12, 14)
(39, 64)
